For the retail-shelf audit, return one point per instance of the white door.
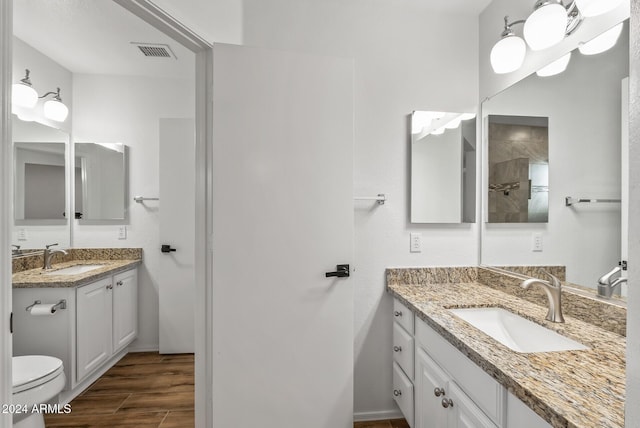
(125, 309)
(432, 386)
(176, 276)
(282, 217)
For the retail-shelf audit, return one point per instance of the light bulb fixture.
(603, 42)
(54, 109)
(508, 53)
(556, 67)
(549, 23)
(546, 26)
(590, 8)
(23, 94)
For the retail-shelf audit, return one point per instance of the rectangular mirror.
(585, 106)
(100, 182)
(443, 167)
(518, 169)
(40, 178)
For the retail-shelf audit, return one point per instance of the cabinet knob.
(397, 392)
(397, 348)
(110, 287)
(119, 283)
(438, 392)
(397, 313)
(447, 402)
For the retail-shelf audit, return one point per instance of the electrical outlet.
(122, 232)
(22, 234)
(537, 242)
(415, 240)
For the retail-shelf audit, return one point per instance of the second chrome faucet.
(553, 290)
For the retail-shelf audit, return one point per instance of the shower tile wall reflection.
(518, 169)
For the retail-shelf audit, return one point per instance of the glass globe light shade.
(507, 54)
(23, 95)
(589, 8)
(546, 26)
(603, 42)
(556, 67)
(55, 110)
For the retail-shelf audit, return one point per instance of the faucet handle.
(555, 282)
(50, 245)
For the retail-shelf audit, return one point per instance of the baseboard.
(150, 348)
(377, 416)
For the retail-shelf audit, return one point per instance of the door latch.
(342, 271)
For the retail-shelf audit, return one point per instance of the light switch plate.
(122, 232)
(415, 245)
(22, 234)
(537, 242)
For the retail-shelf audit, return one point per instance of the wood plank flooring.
(144, 389)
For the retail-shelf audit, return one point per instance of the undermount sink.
(516, 332)
(74, 270)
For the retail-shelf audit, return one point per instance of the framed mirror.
(585, 111)
(100, 172)
(41, 185)
(443, 167)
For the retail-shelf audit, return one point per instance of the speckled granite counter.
(113, 260)
(568, 389)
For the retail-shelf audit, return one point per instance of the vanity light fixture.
(556, 67)
(549, 23)
(54, 109)
(603, 42)
(23, 94)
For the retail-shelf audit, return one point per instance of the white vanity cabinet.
(445, 389)
(89, 336)
(403, 359)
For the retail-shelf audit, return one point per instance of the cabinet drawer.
(403, 351)
(403, 393)
(488, 394)
(403, 316)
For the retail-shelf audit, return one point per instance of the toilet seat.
(30, 371)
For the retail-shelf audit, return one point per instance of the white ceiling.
(94, 36)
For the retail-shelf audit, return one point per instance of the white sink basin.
(516, 332)
(74, 270)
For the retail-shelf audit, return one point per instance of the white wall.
(402, 63)
(632, 418)
(583, 105)
(122, 109)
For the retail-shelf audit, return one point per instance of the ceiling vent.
(154, 50)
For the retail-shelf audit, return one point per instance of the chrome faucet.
(553, 290)
(606, 283)
(16, 250)
(48, 254)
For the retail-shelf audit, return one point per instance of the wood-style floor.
(146, 389)
(143, 389)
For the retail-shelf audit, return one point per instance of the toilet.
(36, 380)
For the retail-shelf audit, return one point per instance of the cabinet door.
(462, 412)
(93, 326)
(125, 309)
(431, 386)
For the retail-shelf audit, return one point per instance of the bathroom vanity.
(447, 373)
(90, 330)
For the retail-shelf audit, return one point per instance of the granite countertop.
(567, 389)
(38, 278)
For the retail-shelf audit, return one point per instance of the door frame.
(6, 204)
(161, 20)
(164, 22)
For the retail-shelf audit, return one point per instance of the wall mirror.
(443, 167)
(100, 182)
(582, 112)
(518, 169)
(40, 185)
